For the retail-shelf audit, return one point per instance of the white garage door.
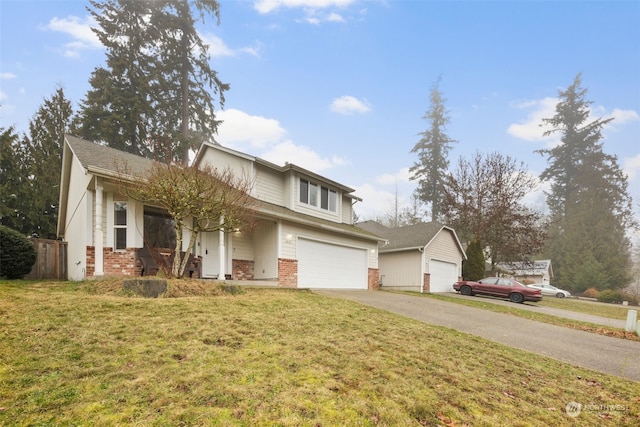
(443, 276)
(324, 265)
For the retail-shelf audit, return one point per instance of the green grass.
(270, 357)
(614, 312)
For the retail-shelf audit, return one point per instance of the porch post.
(221, 253)
(98, 235)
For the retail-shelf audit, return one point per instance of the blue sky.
(340, 86)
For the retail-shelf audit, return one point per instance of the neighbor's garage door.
(324, 265)
(443, 276)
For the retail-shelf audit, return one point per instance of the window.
(317, 195)
(159, 231)
(313, 194)
(120, 225)
(304, 191)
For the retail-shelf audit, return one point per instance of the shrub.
(591, 293)
(17, 254)
(610, 296)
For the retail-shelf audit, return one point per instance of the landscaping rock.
(148, 288)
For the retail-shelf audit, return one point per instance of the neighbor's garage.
(326, 265)
(442, 276)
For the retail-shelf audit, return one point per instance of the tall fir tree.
(13, 180)
(155, 97)
(588, 199)
(186, 86)
(47, 129)
(432, 151)
(116, 110)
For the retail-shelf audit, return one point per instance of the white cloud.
(334, 17)
(265, 138)
(239, 128)
(349, 105)
(402, 175)
(3, 95)
(218, 48)
(267, 6)
(530, 129)
(631, 166)
(299, 155)
(624, 116)
(80, 30)
(7, 76)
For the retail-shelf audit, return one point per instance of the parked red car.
(499, 287)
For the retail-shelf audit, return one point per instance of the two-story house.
(305, 236)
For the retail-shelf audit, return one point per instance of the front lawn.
(87, 354)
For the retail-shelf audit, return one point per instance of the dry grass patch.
(270, 357)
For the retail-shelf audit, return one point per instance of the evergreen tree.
(47, 130)
(184, 92)
(116, 110)
(155, 97)
(12, 180)
(432, 151)
(473, 268)
(589, 201)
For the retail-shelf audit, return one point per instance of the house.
(528, 272)
(304, 236)
(425, 257)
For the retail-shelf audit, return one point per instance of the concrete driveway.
(609, 355)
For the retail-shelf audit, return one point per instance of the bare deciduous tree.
(199, 200)
(483, 200)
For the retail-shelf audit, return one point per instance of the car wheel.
(466, 290)
(516, 297)
(560, 295)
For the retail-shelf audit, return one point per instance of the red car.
(499, 287)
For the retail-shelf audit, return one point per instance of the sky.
(341, 87)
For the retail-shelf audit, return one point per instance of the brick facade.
(242, 269)
(116, 263)
(374, 279)
(288, 272)
(426, 283)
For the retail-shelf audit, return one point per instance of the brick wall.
(288, 272)
(91, 261)
(374, 279)
(121, 263)
(242, 269)
(116, 263)
(426, 285)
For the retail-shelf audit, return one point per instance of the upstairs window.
(318, 196)
(120, 225)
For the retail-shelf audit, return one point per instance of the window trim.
(117, 227)
(315, 192)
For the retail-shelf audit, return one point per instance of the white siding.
(266, 244)
(242, 244)
(347, 210)
(222, 160)
(269, 186)
(78, 223)
(401, 270)
(444, 248)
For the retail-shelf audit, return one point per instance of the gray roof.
(96, 157)
(407, 237)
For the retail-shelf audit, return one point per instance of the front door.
(210, 257)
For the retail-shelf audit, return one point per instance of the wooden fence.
(51, 262)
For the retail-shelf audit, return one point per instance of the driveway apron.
(614, 356)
